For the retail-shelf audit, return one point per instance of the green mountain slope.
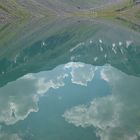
(38, 8)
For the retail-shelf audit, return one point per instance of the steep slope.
(12, 8)
(38, 8)
(21, 9)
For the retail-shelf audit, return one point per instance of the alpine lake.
(69, 79)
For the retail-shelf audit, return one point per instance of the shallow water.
(69, 79)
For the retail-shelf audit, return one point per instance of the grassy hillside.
(126, 13)
(12, 8)
(21, 9)
(122, 11)
(39, 8)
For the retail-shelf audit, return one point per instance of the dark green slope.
(46, 48)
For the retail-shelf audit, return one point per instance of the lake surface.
(63, 79)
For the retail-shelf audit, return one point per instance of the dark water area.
(69, 79)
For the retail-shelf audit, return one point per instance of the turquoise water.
(69, 79)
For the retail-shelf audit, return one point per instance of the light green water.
(66, 79)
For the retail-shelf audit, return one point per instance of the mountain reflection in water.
(88, 42)
(69, 73)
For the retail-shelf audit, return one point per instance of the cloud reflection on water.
(115, 116)
(19, 98)
(6, 136)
